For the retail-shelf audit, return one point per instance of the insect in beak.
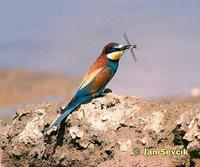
(130, 46)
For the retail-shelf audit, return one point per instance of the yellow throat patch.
(115, 55)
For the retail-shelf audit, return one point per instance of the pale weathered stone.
(31, 132)
(125, 145)
(75, 132)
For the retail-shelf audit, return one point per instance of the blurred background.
(47, 46)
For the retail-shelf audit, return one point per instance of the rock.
(103, 132)
(154, 122)
(189, 125)
(125, 145)
(193, 132)
(32, 131)
(1, 157)
(194, 148)
(75, 132)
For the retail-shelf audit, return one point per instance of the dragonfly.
(133, 46)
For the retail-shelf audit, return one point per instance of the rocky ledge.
(109, 131)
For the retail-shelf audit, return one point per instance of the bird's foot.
(107, 90)
(61, 110)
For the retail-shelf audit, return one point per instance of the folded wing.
(87, 92)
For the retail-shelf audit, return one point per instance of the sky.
(67, 36)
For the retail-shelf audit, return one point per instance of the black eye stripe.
(111, 50)
(117, 49)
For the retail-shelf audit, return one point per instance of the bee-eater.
(96, 78)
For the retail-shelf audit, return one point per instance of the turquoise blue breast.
(113, 64)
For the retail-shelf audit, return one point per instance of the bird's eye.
(112, 49)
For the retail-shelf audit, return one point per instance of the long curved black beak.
(127, 47)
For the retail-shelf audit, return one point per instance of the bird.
(96, 78)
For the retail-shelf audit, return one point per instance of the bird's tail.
(68, 110)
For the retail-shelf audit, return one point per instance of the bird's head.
(114, 51)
